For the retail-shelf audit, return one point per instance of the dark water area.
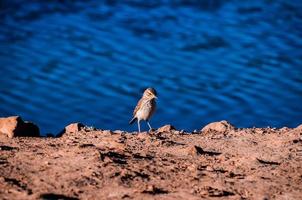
(89, 61)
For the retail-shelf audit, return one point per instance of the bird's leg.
(150, 128)
(138, 125)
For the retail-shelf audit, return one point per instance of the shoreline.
(217, 161)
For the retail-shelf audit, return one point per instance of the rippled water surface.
(88, 61)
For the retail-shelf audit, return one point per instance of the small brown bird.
(145, 108)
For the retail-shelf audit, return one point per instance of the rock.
(14, 126)
(118, 132)
(89, 128)
(107, 132)
(299, 128)
(71, 128)
(151, 189)
(166, 128)
(194, 150)
(74, 127)
(29, 129)
(221, 126)
(192, 167)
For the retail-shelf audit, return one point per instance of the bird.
(145, 108)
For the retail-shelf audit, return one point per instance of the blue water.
(89, 61)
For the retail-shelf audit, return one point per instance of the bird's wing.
(138, 106)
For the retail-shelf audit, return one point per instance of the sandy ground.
(257, 163)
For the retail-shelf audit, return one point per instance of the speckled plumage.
(145, 107)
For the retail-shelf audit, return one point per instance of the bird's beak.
(155, 97)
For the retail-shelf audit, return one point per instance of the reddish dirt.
(258, 163)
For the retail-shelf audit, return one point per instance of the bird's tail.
(132, 120)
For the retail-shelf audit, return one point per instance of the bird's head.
(150, 93)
